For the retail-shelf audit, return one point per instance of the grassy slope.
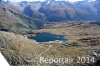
(17, 48)
(12, 19)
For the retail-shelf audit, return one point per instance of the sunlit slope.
(12, 19)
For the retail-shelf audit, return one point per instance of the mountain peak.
(49, 1)
(1, 1)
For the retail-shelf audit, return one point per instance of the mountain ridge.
(56, 11)
(12, 19)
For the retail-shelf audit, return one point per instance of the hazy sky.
(40, 0)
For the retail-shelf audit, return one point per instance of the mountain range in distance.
(57, 11)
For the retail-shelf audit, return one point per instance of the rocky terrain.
(12, 19)
(19, 21)
(57, 11)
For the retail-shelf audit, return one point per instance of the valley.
(81, 42)
(50, 29)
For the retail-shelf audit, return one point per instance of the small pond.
(45, 37)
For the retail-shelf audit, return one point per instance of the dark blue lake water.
(45, 37)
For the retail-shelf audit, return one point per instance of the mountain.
(33, 11)
(56, 11)
(13, 19)
(19, 20)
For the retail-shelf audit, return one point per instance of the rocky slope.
(56, 11)
(12, 19)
